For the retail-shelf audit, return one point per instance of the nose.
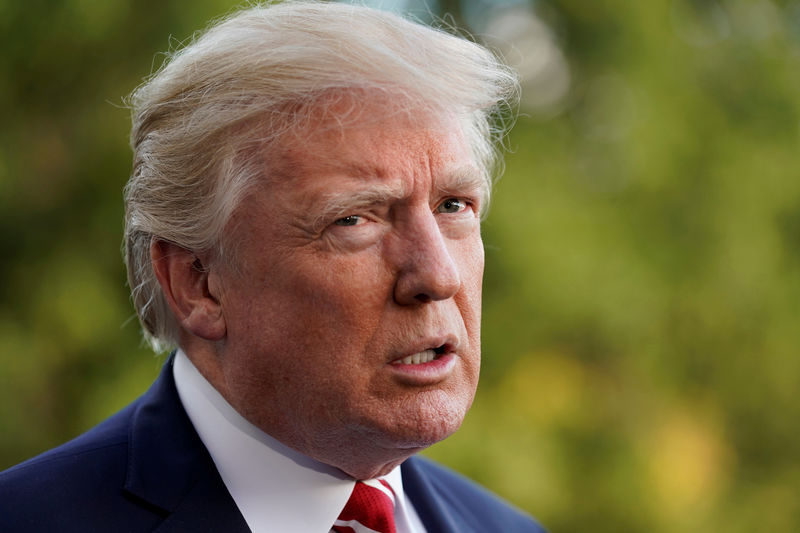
(426, 269)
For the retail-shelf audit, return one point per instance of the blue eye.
(351, 220)
(452, 205)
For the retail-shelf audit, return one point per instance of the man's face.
(353, 316)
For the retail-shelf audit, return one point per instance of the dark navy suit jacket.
(145, 469)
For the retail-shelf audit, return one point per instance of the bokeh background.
(642, 294)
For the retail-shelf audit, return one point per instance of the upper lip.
(447, 342)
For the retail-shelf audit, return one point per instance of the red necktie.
(371, 506)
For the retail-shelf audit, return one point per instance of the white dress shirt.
(275, 488)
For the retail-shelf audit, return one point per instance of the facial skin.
(361, 248)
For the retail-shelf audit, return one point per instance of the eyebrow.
(338, 203)
(462, 180)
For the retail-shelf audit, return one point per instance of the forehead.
(376, 140)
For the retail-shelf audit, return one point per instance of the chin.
(373, 441)
(431, 420)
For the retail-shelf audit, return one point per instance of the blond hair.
(201, 120)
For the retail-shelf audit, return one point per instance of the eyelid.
(362, 214)
(331, 216)
(459, 202)
(358, 219)
(467, 201)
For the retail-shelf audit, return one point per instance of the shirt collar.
(275, 487)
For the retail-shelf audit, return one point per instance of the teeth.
(418, 358)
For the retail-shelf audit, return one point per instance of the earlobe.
(185, 281)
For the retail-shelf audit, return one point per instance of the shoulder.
(79, 482)
(462, 499)
(102, 443)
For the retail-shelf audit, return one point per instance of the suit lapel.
(171, 470)
(431, 501)
(204, 509)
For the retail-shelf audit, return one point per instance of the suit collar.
(170, 469)
(430, 501)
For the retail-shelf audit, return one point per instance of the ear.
(184, 280)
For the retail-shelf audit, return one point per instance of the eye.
(452, 205)
(351, 220)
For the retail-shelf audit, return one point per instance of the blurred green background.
(642, 294)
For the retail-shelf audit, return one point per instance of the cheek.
(348, 290)
(469, 300)
(323, 302)
(470, 258)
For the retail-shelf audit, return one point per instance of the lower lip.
(425, 373)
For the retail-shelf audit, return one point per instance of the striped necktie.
(370, 509)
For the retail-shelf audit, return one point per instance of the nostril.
(423, 298)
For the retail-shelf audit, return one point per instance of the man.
(303, 224)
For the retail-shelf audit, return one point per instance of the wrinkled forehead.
(352, 127)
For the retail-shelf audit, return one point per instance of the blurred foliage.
(642, 294)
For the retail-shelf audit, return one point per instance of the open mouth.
(422, 357)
